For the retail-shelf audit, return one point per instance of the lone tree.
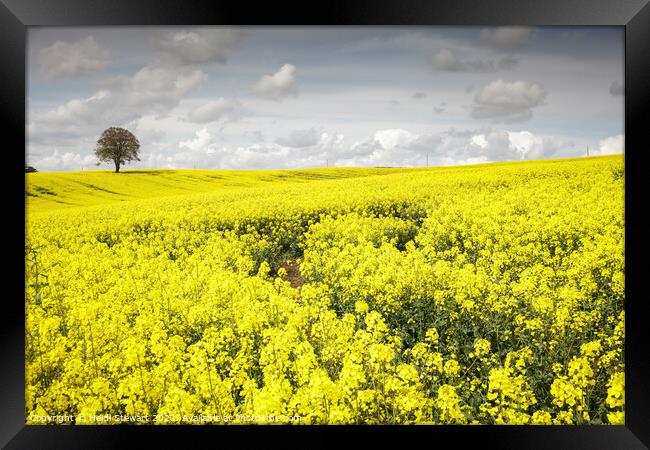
(117, 145)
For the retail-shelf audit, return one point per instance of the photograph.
(325, 225)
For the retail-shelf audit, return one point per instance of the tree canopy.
(118, 145)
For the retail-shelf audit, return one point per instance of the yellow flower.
(451, 368)
(448, 404)
(416, 295)
(481, 347)
(616, 390)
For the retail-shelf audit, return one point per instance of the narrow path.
(292, 266)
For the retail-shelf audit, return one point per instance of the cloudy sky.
(293, 97)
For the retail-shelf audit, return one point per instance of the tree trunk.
(117, 166)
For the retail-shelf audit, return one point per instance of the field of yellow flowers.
(489, 294)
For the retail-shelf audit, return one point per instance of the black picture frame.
(17, 15)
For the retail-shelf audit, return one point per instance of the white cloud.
(491, 145)
(202, 142)
(300, 138)
(350, 102)
(215, 110)
(279, 85)
(148, 134)
(402, 148)
(59, 162)
(63, 59)
(204, 151)
(148, 91)
(533, 146)
(470, 147)
(447, 61)
(157, 86)
(611, 145)
(479, 140)
(199, 46)
(506, 101)
(392, 138)
(506, 37)
(75, 111)
(394, 147)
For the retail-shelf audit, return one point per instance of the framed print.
(386, 218)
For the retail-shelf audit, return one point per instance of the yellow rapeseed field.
(488, 294)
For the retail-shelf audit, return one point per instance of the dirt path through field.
(292, 266)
